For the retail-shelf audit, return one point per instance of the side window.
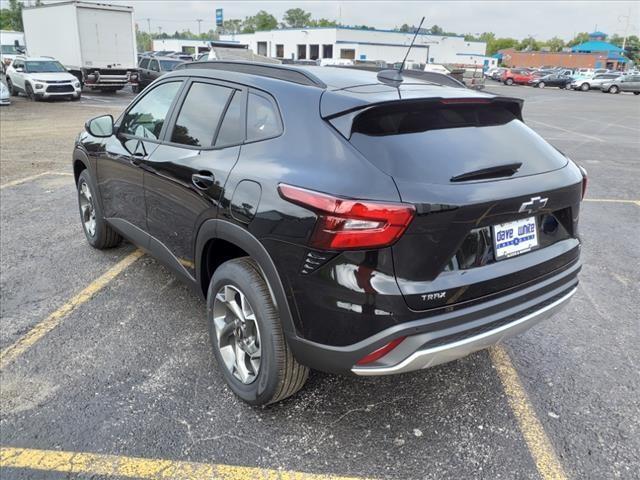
(144, 63)
(232, 128)
(147, 116)
(263, 119)
(153, 65)
(200, 114)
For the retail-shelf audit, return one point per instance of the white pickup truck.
(96, 42)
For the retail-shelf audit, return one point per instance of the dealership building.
(359, 44)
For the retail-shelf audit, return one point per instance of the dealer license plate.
(514, 238)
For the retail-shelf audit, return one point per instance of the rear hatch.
(496, 204)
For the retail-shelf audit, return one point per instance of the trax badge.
(536, 203)
(434, 296)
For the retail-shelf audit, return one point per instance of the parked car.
(596, 81)
(154, 67)
(518, 76)
(624, 83)
(497, 75)
(553, 80)
(5, 95)
(41, 78)
(357, 257)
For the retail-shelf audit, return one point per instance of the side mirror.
(19, 70)
(101, 127)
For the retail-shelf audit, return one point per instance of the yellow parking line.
(537, 441)
(612, 200)
(134, 467)
(19, 181)
(13, 351)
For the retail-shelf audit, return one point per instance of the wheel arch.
(221, 230)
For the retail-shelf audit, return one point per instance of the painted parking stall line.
(20, 181)
(145, 468)
(535, 437)
(13, 351)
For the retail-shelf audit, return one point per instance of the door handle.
(203, 180)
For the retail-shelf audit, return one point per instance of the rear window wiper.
(506, 170)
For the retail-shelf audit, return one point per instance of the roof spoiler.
(343, 121)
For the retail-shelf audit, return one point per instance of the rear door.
(185, 175)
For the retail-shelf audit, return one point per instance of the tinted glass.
(144, 63)
(47, 66)
(232, 128)
(169, 65)
(200, 114)
(263, 120)
(146, 118)
(431, 143)
(153, 65)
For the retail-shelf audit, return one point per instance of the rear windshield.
(169, 65)
(432, 143)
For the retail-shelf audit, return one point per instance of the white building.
(189, 46)
(357, 44)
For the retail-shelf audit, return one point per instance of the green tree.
(498, 44)
(528, 44)
(404, 28)
(233, 25)
(579, 38)
(260, 21)
(436, 30)
(323, 22)
(296, 18)
(555, 44)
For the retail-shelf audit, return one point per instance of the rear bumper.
(449, 335)
(430, 357)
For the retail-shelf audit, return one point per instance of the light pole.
(149, 25)
(199, 20)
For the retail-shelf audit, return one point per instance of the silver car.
(594, 82)
(624, 83)
(5, 95)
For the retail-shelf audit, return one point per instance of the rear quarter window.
(263, 118)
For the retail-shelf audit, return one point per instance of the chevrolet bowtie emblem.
(536, 203)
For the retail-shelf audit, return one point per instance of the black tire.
(12, 89)
(135, 89)
(104, 236)
(585, 87)
(29, 91)
(636, 93)
(279, 375)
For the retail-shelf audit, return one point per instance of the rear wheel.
(584, 87)
(614, 89)
(99, 233)
(636, 93)
(247, 337)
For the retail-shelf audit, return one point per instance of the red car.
(516, 75)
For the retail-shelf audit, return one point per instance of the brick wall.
(513, 58)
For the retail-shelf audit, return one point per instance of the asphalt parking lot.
(116, 379)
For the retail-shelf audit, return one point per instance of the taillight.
(380, 352)
(584, 180)
(350, 224)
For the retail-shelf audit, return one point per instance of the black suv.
(151, 68)
(334, 219)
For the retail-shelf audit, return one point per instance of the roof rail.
(280, 72)
(431, 77)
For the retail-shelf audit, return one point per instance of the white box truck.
(11, 45)
(95, 41)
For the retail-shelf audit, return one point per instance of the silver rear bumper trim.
(452, 351)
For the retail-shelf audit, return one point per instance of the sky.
(516, 18)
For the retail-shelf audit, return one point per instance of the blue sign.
(218, 17)
(363, 57)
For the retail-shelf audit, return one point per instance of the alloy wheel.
(87, 209)
(237, 333)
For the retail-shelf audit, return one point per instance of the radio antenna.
(411, 45)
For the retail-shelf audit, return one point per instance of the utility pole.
(160, 30)
(626, 28)
(199, 20)
(149, 25)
